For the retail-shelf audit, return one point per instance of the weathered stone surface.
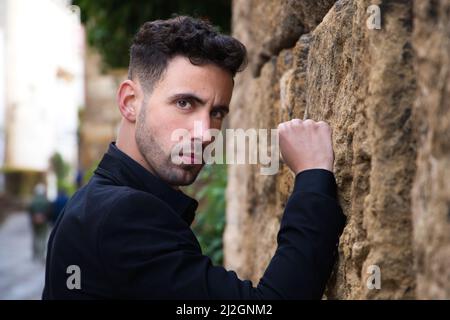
(267, 27)
(361, 81)
(249, 191)
(254, 206)
(431, 192)
(388, 105)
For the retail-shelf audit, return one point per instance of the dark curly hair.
(158, 41)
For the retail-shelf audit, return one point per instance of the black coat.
(129, 234)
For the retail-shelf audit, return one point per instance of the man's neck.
(130, 148)
(133, 153)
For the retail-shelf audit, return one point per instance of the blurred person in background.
(58, 205)
(39, 211)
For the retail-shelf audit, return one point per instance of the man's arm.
(308, 238)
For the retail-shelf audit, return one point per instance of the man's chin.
(184, 174)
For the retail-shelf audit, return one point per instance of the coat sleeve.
(149, 252)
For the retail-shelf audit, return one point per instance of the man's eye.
(218, 114)
(183, 104)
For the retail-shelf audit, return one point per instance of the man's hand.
(306, 145)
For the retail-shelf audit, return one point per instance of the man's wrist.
(317, 180)
(304, 168)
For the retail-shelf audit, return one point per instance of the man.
(39, 210)
(127, 234)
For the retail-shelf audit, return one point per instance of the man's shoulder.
(113, 196)
(131, 200)
(96, 202)
(128, 205)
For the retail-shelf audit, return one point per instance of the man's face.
(186, 94)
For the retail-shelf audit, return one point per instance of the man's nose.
(202, 128)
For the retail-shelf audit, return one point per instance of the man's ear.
(127, 99)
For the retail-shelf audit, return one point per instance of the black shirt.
(129, 234)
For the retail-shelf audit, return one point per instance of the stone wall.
(386, 94)
(431, 191)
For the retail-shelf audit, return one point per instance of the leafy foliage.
(111, 24)
(209, 222)
(90, 172)
(62, 169)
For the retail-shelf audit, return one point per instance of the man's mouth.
(191, 158)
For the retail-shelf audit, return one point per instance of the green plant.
(90, 172)
(111, 24)
(209, 222)
(62, 169)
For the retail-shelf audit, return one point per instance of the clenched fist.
(306, 144)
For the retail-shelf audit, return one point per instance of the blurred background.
(60, 64)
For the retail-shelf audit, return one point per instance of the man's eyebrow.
(191, 96)
(187, 96)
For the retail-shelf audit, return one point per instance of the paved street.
(20, 276)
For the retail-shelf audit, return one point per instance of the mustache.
(195, 148)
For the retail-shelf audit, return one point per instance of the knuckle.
(295, 122)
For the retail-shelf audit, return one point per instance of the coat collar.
(119, 167)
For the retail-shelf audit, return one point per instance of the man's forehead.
(199, 80)
(181, 69)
